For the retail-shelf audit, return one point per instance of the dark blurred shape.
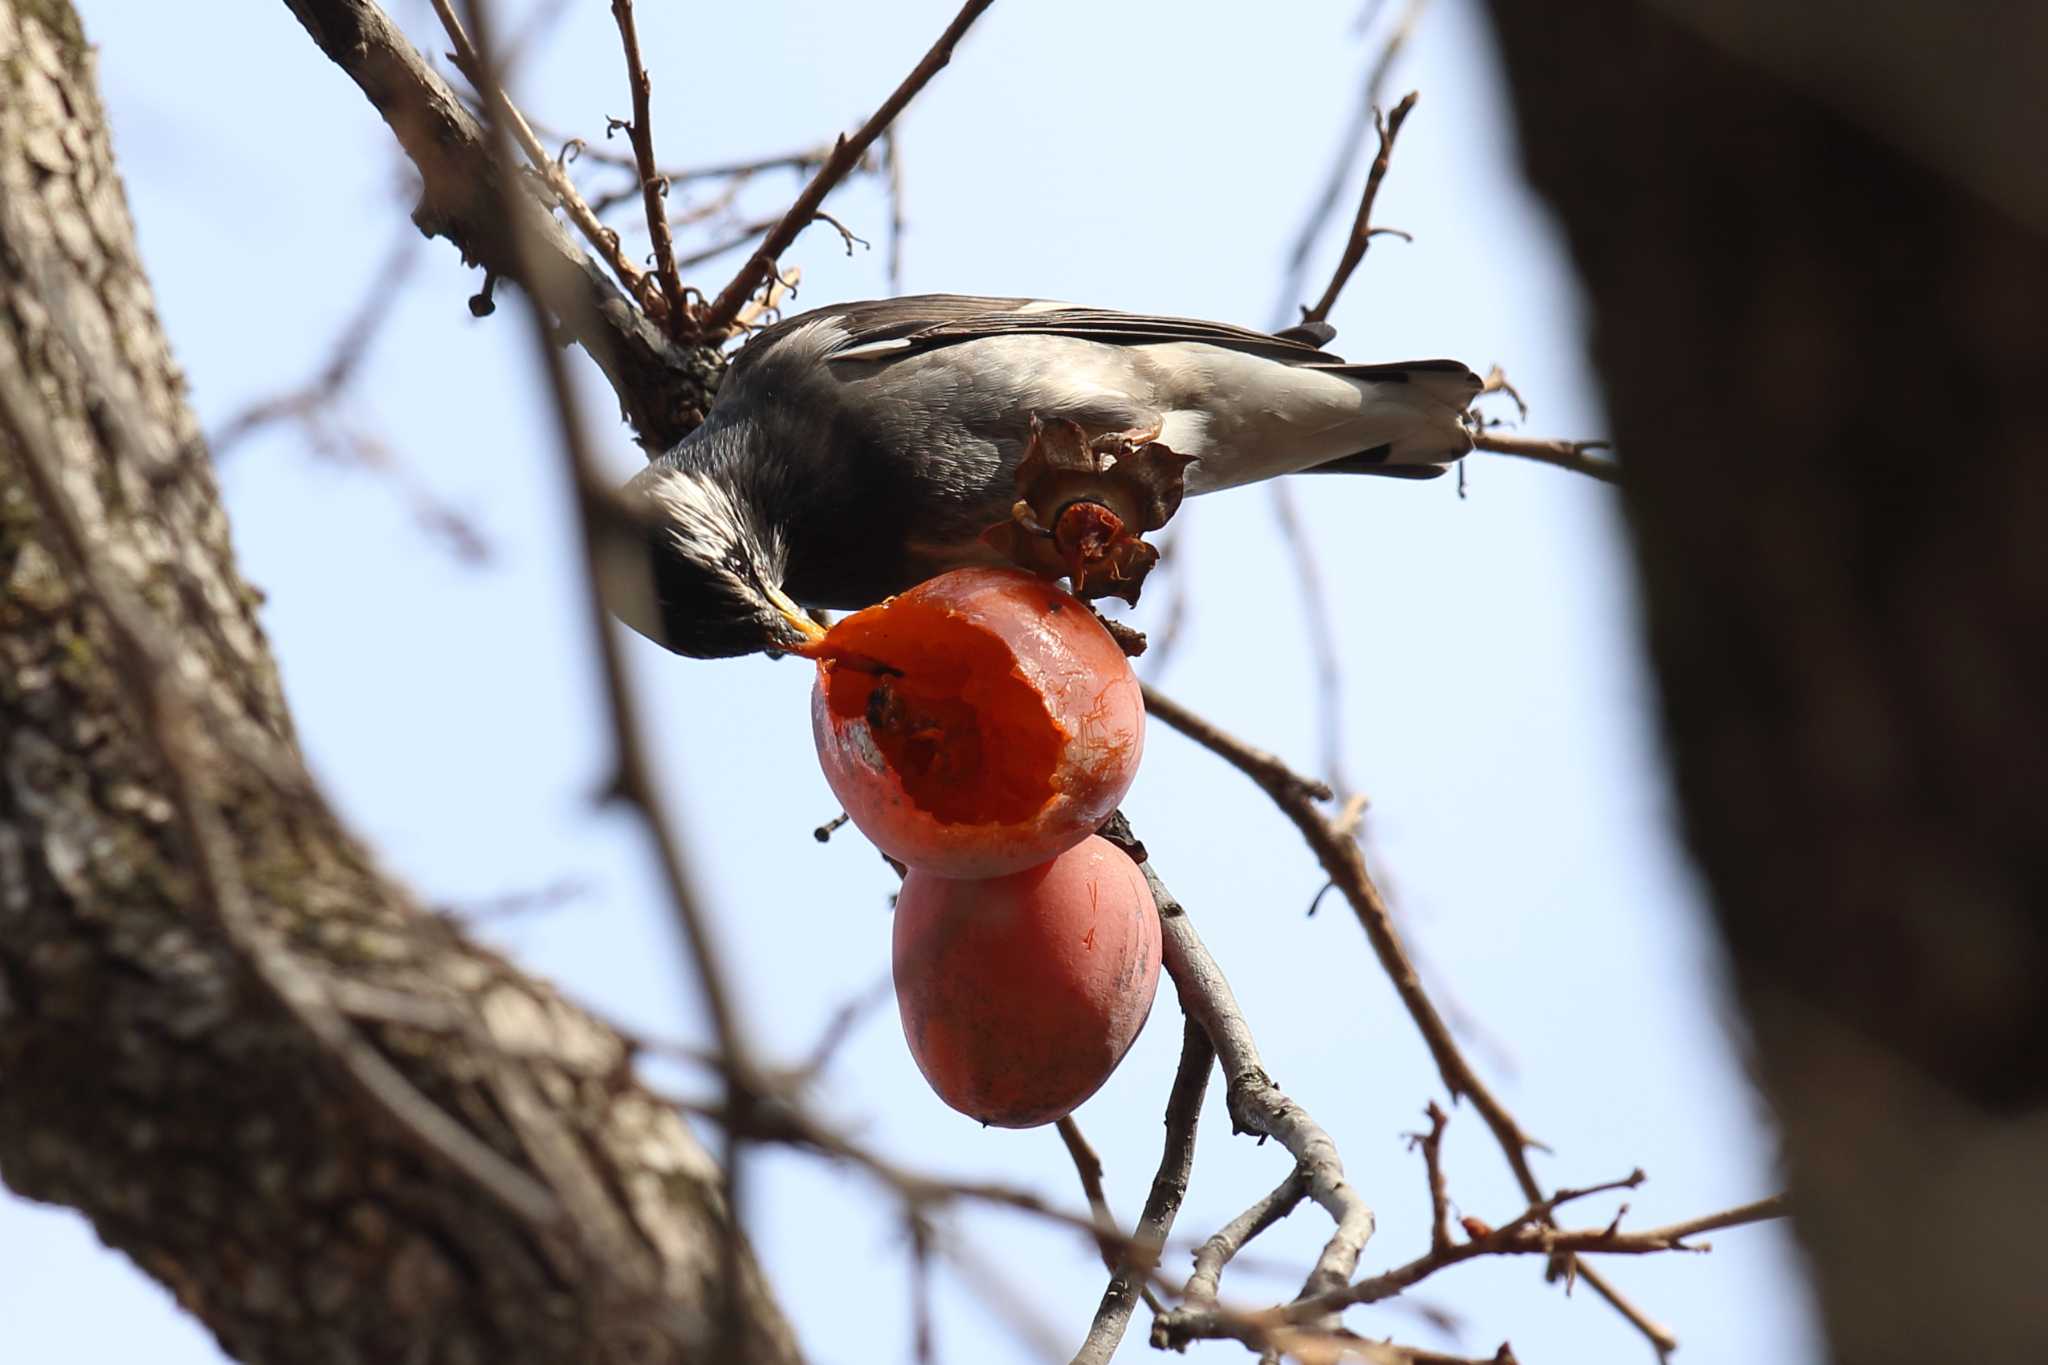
(1813, 248)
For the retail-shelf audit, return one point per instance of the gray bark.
(1825, 356)
(151, 1076)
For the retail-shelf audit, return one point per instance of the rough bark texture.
(1826, 363)
(145, 1077)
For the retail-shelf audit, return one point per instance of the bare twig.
(1530, 1234)
(484, 78)
(1216, 1253)
(719, 316)
(1256, 1104)
(1431, 1145)
(1344, 863)
(1349, 147)
(516, 904)
(840, 1027)
(1572, 455)
(810, 158)
(892, 166)
(1088, 1166)
(633, 781)
(465, 188)
(1140, 1256)
(774, 1115)
(1362, 231)
(653, 187)
(780, 289)
(922, 1341)
(350, 348)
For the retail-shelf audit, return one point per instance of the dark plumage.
(861, 448)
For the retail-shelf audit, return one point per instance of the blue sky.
(1146, 156)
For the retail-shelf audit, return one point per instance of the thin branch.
(1256, 1104)
(1431, 1145)
(846, 153)
(840, 1027)
(922, 1340)
(1344, 864)
(653, 188)
(633, 782)
(1088, 1166)
(1140, 1258)
(1530, 1234)
(1572, 455)
(350, 349)
(1363, 116)
(665, 387)
(892, 166)
(808, 159)
(484, 77)
(1362, 231)
(775, 1116)
(780, 290)
(1216, 1253)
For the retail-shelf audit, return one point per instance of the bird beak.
(803, 634)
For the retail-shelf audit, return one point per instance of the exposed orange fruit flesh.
(970, 741)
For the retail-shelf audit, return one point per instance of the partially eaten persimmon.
(980, 723)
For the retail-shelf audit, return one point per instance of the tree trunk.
(341, 1132)
(1826, 361)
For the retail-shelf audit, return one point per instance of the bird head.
(699, 573)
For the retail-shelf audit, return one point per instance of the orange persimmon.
(1020, 994)
(978, 724)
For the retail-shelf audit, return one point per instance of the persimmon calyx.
(1085, 502)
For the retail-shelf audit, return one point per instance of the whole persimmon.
(1020, 994)
(978, 724)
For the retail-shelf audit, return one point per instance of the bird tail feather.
(1436, 394)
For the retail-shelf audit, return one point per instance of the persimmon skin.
(1025, 762)
(1021, 994)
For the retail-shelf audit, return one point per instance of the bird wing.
(1246, 404)
(893, 328)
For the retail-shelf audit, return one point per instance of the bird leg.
(1084, 502)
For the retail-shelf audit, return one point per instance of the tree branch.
(1216, 1253)
(1140, 1256)
(1362, 230)
(846, 153)
(665, 387)
(653, 187)
(1338, 852)
(1571, 455)
(1256, 1104)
